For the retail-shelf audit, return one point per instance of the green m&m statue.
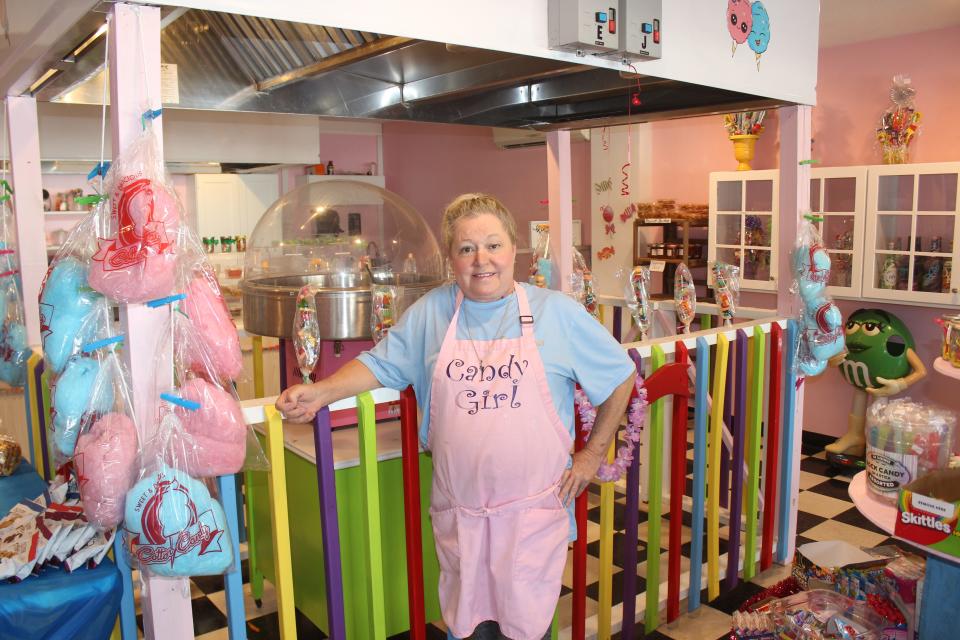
(880, 361)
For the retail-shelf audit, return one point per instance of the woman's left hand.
(575, 479)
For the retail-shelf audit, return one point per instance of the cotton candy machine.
(339, 235)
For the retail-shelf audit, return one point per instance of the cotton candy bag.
(207, 312)
(66, 298)
(174, 526)
(106, 449)
(221, 441)
(136, 259)
(14, 350)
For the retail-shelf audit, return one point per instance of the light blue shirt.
(574, 347)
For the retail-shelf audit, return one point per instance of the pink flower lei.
(636, 416)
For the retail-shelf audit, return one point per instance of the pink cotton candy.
(105, 459)
(138, 264)
(212, 322)
(216, 428)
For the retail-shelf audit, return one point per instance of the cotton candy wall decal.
(208, 313)
(174, 527)
(105, 460)
(217, 430)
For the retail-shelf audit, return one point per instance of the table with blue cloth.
(55, 605)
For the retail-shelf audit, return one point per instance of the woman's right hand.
(300, 402)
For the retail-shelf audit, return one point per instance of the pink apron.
(499, 450)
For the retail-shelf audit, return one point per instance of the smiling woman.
(494, 365)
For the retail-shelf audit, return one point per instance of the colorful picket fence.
(743, 379)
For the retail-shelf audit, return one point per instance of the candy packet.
(726, 289)
(684, 296)
(135, 259)
(174, 525)
(66, 298)
(637, 297)
(207, 311)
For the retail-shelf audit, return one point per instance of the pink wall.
(430, 164)
(350, 152)
(852, 92)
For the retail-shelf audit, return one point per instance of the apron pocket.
(445, 535)
(541, 549)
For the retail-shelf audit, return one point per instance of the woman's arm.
(301, 402)
(588, 460)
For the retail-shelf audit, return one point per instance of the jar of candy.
(669, 250)
(953, 342)
(905, 440)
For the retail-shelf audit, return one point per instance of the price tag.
(169, 84)
(657, 266)
(658, 220)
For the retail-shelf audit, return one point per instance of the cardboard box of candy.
(928, 509)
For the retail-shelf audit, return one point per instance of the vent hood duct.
(523, 138)
(242, 63)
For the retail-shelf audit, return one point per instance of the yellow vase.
(743, 148)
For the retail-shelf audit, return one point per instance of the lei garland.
(636, 417)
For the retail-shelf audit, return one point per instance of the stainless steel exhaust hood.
(242, 63)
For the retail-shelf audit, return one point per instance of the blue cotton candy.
(175, 528)
(72, 398)
(17, 336)
(65, 302)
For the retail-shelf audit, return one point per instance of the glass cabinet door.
(913, 233)
(743, 230)
(839, 196)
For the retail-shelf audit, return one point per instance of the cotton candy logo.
(175, 528)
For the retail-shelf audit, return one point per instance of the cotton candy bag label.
(174, 527)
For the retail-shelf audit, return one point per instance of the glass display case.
(340, 236)
(743, 225)
(912, 233)
(839, 194)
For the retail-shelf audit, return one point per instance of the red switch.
(612, 24)
(656, 31)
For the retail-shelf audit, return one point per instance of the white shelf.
(943, 367)
(884, 514)
(66, 213)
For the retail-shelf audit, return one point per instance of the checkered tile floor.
(825, 513)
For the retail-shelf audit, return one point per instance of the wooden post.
(560, 194)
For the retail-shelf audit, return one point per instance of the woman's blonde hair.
(469, 205)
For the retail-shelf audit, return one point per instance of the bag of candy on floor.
(207, 311)
(135, 259)
(66, 297)
(174, 524)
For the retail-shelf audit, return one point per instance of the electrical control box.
(589, 26)
(641, 29)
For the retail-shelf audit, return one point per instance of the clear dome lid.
(347, 229)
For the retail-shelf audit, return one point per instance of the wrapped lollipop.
(684, 296)
(638, 299)
(726, 287)
(590, 296)
(306, 332)
(385, 312)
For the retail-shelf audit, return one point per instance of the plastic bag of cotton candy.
(207, 312)
(211, 420)
(135, 259)
(14, 350)
(66, 298)
(174, 525)
(94, 422)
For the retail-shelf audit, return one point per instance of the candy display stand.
(943, 367)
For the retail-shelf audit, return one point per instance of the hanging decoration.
(606, 211)
(606, 253)
(900, 123)
(628, 213)
(603, 185)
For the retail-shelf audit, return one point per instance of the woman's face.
(482, 257)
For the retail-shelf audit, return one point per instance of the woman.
(494, 364)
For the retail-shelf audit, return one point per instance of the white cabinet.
(743, 225)
(912, 233)
(231, 204)
(839, 195)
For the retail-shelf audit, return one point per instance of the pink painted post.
(28, 204)
(795, 141)
(560, 193)
(134, 56)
